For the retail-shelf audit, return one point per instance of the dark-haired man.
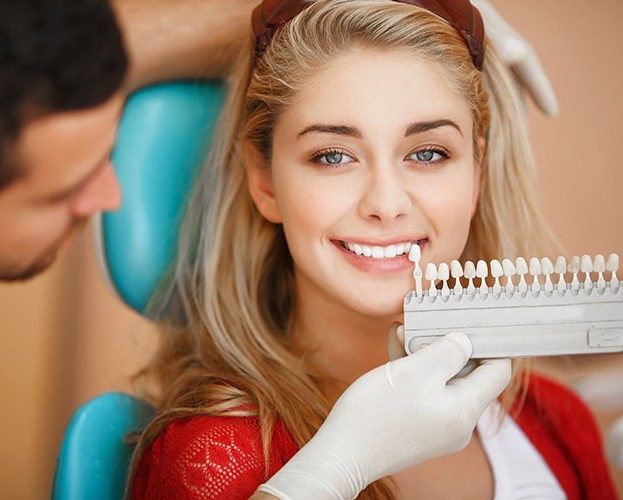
(62, 66)
(63, 79)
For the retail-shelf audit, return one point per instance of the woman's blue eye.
(428, 155)
(333, 158)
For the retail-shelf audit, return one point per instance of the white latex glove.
(614, 444)
(395, 416)
(519, 56)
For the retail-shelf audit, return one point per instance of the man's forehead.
(58, 149)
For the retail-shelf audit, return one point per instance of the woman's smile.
(376, 257)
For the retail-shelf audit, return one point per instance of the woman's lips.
(379, 258)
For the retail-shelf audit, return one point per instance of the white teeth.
(378, 252)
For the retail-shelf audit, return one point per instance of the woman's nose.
(386, 196)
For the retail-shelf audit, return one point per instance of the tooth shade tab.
(586, 264)
(443, 273)
(509, 268)
(599, 266)
(535, 271)
(535, 266)
(547, 267)
(496, 272)
(561, 269)
(496, 269)
(574, 265)
(431, 271)
(613, 263)
(521, 266)
(415, 253)
(561, 265)
(509, 271)
(456, 269)
(431, 275)
(481, 269)
(470, 270)
(574, 268)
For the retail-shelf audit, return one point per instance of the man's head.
(62, 64)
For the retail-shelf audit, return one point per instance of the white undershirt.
(519, 471)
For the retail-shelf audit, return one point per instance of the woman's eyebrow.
(419, 127)
(332, 129)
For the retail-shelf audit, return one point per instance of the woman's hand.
(407, 411)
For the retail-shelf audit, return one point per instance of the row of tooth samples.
(585, 273)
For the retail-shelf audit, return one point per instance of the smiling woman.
(354, 129)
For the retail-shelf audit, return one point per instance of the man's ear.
(478, 166)
(259, 183)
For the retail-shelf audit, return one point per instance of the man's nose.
(103, 193)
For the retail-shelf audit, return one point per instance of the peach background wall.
(66, 337)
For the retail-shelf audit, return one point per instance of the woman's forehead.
(389, 87)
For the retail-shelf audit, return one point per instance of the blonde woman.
(354, 130)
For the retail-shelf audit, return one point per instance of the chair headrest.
(163, 138)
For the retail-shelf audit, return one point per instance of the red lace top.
(221, 458)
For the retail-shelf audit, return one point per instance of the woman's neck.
(342, 344)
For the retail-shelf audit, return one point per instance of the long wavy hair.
(225, 311)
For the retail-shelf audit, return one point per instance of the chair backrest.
(96, 450)
(164, 136)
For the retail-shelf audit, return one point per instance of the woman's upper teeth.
(379, 252)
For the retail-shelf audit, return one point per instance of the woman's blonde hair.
(226, 347)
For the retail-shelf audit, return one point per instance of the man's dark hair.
(55, 55)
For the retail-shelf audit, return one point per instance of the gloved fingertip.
(400, 333)
(513, 50)
(395, 341)
(502, 367)
(551, 108)
(463, 340)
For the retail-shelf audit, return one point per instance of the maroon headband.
(460, 14)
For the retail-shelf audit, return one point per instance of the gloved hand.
(395, 416)
(520, 56)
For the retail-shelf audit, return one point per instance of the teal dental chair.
(164, 136)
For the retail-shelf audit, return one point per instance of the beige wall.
(66, 337)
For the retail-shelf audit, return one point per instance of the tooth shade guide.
(556, 319)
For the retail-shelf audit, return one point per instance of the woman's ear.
(259, 183)
(482, 150)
